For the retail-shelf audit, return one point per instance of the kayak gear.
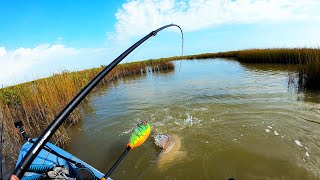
(19, 125)
(39, 144)
(51, 167)
(139, 135)
(47, 165)
(40, 168)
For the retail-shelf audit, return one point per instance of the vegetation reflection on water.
(234, 120)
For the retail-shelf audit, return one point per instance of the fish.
(170, 150)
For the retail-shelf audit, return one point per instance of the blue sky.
(38, 38)
(79, 23)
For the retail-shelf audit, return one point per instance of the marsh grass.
(38, 102)
(307, 60)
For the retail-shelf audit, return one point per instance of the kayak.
(48, 165)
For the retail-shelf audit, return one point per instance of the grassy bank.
(307, 59)
(36, 103)
(276, 56)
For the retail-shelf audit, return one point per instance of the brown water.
(234, 120)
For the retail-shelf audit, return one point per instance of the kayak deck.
(47, 159)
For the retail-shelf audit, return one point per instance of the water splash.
(298, 143)
(189, 120)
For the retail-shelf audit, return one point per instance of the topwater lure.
(139, 135)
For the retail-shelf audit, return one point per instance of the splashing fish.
(170, 149)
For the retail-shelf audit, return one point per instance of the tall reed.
(36, 103)
(307, 59)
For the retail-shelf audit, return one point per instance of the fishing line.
(182, 46)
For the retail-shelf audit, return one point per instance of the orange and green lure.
(139, 134)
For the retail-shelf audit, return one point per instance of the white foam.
(269, 127)
(276, 133)
(189, 120)
(267, 130)
(298, 143)
(307, 154)
(158, 123)
(126, 131)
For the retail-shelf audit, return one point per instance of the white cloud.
(18, 65)
(138, 17)
(17, 62)
(3, 51)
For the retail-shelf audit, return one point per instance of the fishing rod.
(57, 122)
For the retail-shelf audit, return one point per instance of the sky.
(39, 38)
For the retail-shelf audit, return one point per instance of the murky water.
(234, 120)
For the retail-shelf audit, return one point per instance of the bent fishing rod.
(57, 122)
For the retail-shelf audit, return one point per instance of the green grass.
(307, 60)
